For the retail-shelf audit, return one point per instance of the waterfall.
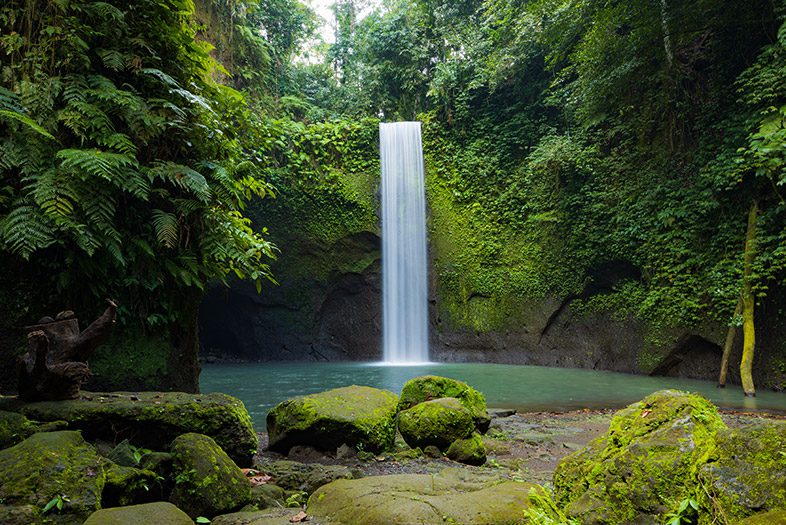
(404, 263)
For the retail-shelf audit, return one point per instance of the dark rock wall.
(338, 318)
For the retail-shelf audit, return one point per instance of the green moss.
(471, 451)
(51, 464)
(130, 360)
(355, 415)
(438, 422)
(746, 472)
(207, 481)
(129, 485)
(645, 465)
(426, 388)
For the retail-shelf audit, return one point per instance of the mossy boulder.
(151, 419)
(775, 517)
(129, 486)
(207, 481)
(470, 451)
(359, 416)
(15, 427)
(451, 496)
(49, 465)
(746, 473)
(305, 477)
(438, 422)
(157, 513)
(645, 465)
(426, 388)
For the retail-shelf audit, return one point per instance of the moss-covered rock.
(305, 477)
(20, 515)
(452, 496)
(129, 486)
(775, 517)
(438, 422)
(15, 427)
(360, 416)
(151, 419)
(426, 388)
(747, 472)
(51, 465)
(471, 451)
(157, 513)
(207, 481)
(646, 464)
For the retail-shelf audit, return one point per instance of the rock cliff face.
(339, 318)
(336, 318)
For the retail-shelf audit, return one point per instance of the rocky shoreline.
(138, 458)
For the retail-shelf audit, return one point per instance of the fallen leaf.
(259, 480)
(646, 413)
(250, 471)
(299, 517)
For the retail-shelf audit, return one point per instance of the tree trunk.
(728, 344)
(748, 303)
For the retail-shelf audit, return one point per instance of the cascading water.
(404, 264)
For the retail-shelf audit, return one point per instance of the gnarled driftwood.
(55, 366)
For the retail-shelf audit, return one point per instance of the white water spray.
(404, 263)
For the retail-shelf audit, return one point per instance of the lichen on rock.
(426, 388)
(438, 422)
(359, 416)
(207, 481)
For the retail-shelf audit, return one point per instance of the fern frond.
(119, 142)
(27, 121)
(183, 177)
(112, 59)
(97, 163)
(25, 230)
(166, 228)
(160, 75)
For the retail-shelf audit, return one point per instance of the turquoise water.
(526, 388)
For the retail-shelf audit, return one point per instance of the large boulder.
(438, 422)
(646, 464)
(359, 416)
(746, 473)
(451, 496)
(207, 481)
(151, 419)
(158, 513)
(426, 388)
(51, 466)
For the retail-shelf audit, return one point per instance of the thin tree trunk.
(728, 344)
(748, 303)
(664, 22)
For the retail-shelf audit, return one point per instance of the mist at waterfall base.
(404, 259)
(261, 386)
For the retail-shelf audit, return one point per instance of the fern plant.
(121, 172)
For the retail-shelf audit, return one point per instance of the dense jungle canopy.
(563, 137)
